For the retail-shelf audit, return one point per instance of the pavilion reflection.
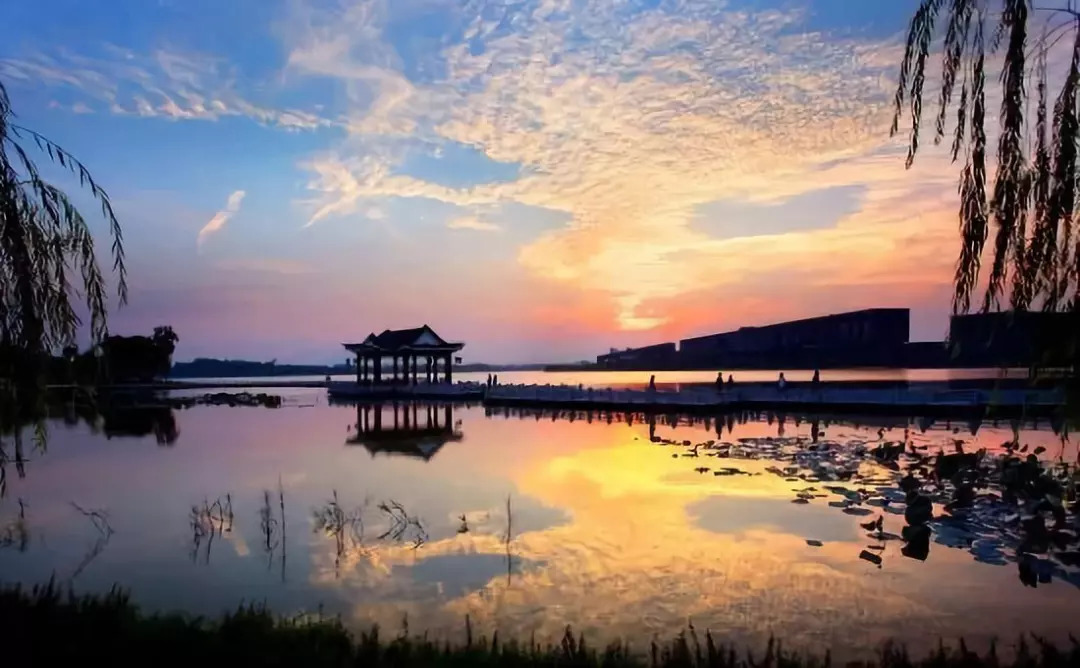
(409, 429)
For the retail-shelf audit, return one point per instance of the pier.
(930, 399)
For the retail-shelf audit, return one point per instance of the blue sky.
(542, 179)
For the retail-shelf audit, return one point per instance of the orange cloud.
(631, 135)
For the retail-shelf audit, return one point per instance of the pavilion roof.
(415, 338)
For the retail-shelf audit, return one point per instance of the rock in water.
(871, 557)
(814, 543)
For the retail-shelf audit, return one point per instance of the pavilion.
(405, 347)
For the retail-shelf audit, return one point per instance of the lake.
(524, 521)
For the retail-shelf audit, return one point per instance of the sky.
(541, 179)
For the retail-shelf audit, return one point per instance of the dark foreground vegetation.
(47, 626)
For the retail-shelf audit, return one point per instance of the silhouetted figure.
(489, 380)
(816, 380)
(652, 383)
(495, 379)
(731, 380)
(719, 381)
(781, 383)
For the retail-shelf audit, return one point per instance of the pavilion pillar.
(395, 416)
(378, 368)
(359, 369)
(393, 378)
(378, 417)
(449, 370)
(447, 418)
(405, 415)
(415, 364)
(428, 364)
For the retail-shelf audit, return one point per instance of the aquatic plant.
(16, 533)
(346, 528)
(207, 522)
(99, 519)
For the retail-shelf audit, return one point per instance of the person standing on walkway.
(719, 381)
(781, 382)
(816, 380)
(652, 383)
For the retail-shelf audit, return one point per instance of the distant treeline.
(203, 367)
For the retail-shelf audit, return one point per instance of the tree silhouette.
(47, 258)
(165, 338)
(1032, 204)
(139, 358)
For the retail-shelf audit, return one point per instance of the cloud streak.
(215, 224)
(473, 223)
(163, 84)
(627, 121)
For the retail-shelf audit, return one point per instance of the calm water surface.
(526, 523)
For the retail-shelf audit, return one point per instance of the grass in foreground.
(45, 626)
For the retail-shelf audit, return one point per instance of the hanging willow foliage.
(47, 256)
(1029, 211)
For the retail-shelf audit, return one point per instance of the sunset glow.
(542, 180)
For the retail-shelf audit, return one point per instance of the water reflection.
(620, 524)
(207, 522)
(396, 428)
(99, 520)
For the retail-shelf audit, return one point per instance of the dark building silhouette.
(659, 356)
(869, 337)
(875, 337)
(1011, 338)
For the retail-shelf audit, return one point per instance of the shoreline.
(111, 629)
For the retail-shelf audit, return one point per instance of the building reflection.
(409, 429)
(722, 423)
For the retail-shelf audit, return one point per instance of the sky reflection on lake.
(606, 530)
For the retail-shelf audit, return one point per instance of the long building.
(659, 356)
(871, 337)
(876, 337)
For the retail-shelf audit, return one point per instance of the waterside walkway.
(923, 398)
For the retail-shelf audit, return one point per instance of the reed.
(49, 625)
